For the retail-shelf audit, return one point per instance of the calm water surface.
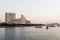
(30, 33)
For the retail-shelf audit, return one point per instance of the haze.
(37, 11)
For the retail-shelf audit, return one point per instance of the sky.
(37, 11)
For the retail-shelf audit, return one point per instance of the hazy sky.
(38, 11)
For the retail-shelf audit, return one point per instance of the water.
(30, 33)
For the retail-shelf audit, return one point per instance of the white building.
(9, 17)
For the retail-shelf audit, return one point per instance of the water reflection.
(9, 33)
(30, 33)
(2, 31)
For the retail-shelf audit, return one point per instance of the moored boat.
(38, 27)
(47, 27)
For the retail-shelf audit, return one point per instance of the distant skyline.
(37, 11)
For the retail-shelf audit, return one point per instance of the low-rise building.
(21, 20)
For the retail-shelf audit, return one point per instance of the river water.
(30, 33)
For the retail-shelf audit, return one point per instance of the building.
(9, 17)
(21, 20)
(28, 22)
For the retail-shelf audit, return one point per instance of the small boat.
(38, 27)
(47, 27)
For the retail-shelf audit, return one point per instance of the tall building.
(9, 17)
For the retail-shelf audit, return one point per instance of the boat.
(38, 27)
(47, 27)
